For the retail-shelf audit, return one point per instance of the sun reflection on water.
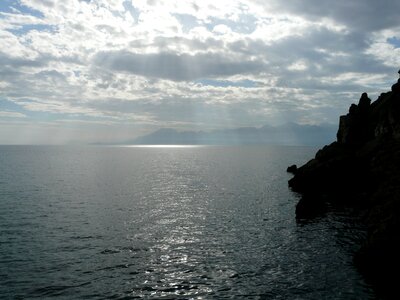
(163, 146)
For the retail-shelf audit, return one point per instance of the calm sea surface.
(200, 222)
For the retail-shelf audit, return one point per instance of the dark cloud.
(175, 67)
(316, 44)
(334, 53)
(325, 53)
(365, 15)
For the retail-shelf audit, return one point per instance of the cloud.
(176, 67)
(11, 114)
(19, 62)
(364, 15)
(193, 64)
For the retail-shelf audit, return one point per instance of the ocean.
(212, 222)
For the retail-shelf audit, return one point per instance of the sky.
(86, 71)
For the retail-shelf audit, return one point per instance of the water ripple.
(151, 223)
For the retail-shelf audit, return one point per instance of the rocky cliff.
(361, 169)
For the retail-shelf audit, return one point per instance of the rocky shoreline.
(361, 169)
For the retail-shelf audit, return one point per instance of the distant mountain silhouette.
(287, 134)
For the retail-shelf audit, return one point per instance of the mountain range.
(287, 134)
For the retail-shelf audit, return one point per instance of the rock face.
(292, 169)
(362, 168)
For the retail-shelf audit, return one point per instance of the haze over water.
(192, 222)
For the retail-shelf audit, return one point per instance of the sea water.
(167, 223)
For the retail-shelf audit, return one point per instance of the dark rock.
(362, 168)
(364, 102)
(309, 207)
(292, 169)
(354, 128)
(396, 87)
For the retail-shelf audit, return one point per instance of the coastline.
(360, 169)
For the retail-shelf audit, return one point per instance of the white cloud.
(298, 66)
(380, 48)
(11, 114)
(221, 29)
